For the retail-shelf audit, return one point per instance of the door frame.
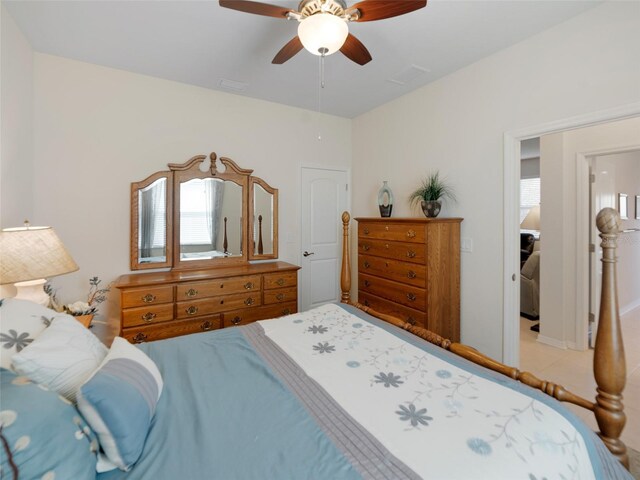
(511, 203)
(316, 166)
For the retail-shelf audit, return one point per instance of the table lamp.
(28, 256)
(532, 220)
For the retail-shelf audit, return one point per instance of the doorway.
(324, 198)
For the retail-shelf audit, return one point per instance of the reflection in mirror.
(152, 238)
(210, 219)
(263, 221)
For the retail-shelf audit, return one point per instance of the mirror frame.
(168, 197)
(273, 191)
(182, 172)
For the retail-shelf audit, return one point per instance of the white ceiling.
(199, 43)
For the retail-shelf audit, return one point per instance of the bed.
(343, 392)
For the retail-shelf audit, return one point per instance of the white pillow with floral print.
(21, 321)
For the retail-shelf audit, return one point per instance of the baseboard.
(554, 342)
(630, 307)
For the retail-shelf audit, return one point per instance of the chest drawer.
(409, 315)
(400, 271)
(139, 297)
(280, 295)
(280, 280)
(243, 317)
(397, 292)
(207, 306)
(149, 333)
(394, 232)
(211, 288)
(407, 252)
(147, 315)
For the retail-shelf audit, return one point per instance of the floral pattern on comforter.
(441, 418)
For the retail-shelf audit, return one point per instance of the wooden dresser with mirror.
(205, 220)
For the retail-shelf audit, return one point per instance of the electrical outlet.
(466, 245)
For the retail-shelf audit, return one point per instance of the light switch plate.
(466, 245)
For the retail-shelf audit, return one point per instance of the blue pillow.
(119, 402)
(43, 434)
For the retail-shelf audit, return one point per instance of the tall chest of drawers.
(410, 268)
(154, 306)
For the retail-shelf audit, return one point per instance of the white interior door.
(324, 198)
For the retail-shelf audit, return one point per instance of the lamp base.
(33, 291)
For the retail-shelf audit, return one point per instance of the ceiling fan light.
(323, 31)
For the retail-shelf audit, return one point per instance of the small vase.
(431, 208)
(385, 200)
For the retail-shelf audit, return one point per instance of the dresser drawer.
(403, 272)
(223, 286)
(139, 297)
(206, 306)
(414, 317)
(149, 333)
(243, 317)
(397, 292)
(407, 252)
(147, 315)
(279, 280)
(280, 295)
(399, 232)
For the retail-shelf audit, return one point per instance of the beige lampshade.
(532, 220)
(32, 253)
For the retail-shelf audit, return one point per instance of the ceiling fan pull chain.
(320, 88)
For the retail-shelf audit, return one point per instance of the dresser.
(154, 306)
(410, 268)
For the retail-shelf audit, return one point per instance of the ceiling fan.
(323, 27)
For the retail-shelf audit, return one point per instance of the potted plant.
(83, 311)
(430, 193)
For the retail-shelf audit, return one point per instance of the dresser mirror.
(203, 213)
(151, 212)
(264, 220)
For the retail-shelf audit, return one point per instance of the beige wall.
(99, 129)
(558, 261)
(457, 123)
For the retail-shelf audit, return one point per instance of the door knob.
(306, 254)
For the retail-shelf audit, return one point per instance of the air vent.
(232, 85)
(408, 74)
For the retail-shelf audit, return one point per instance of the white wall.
(558, 261)
(98, 129)
(16, 125)
(456, 125)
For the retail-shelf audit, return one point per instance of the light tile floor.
(574, 370)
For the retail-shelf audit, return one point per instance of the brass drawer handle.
(411, 254)
(411, 297)
(386, 228)
(139, 338)
(411, 234)
(411, 274)
(411, 320)
(280, 296)
(206, 326)
(148, 298)
(280, 281)
(192, 310)
(236, 320)
(249, 301)
(366, 231)
(365, 247)
(386, 245)
(286, 311)
(248, 285)
(192, 292)
(367, 283)
(147, 317)
(366, 264)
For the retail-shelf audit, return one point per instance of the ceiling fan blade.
(288, 51)
(354, 50)
(379, 9)
(256, 7)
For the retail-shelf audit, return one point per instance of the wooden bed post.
(345, 276)
(608, 361)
